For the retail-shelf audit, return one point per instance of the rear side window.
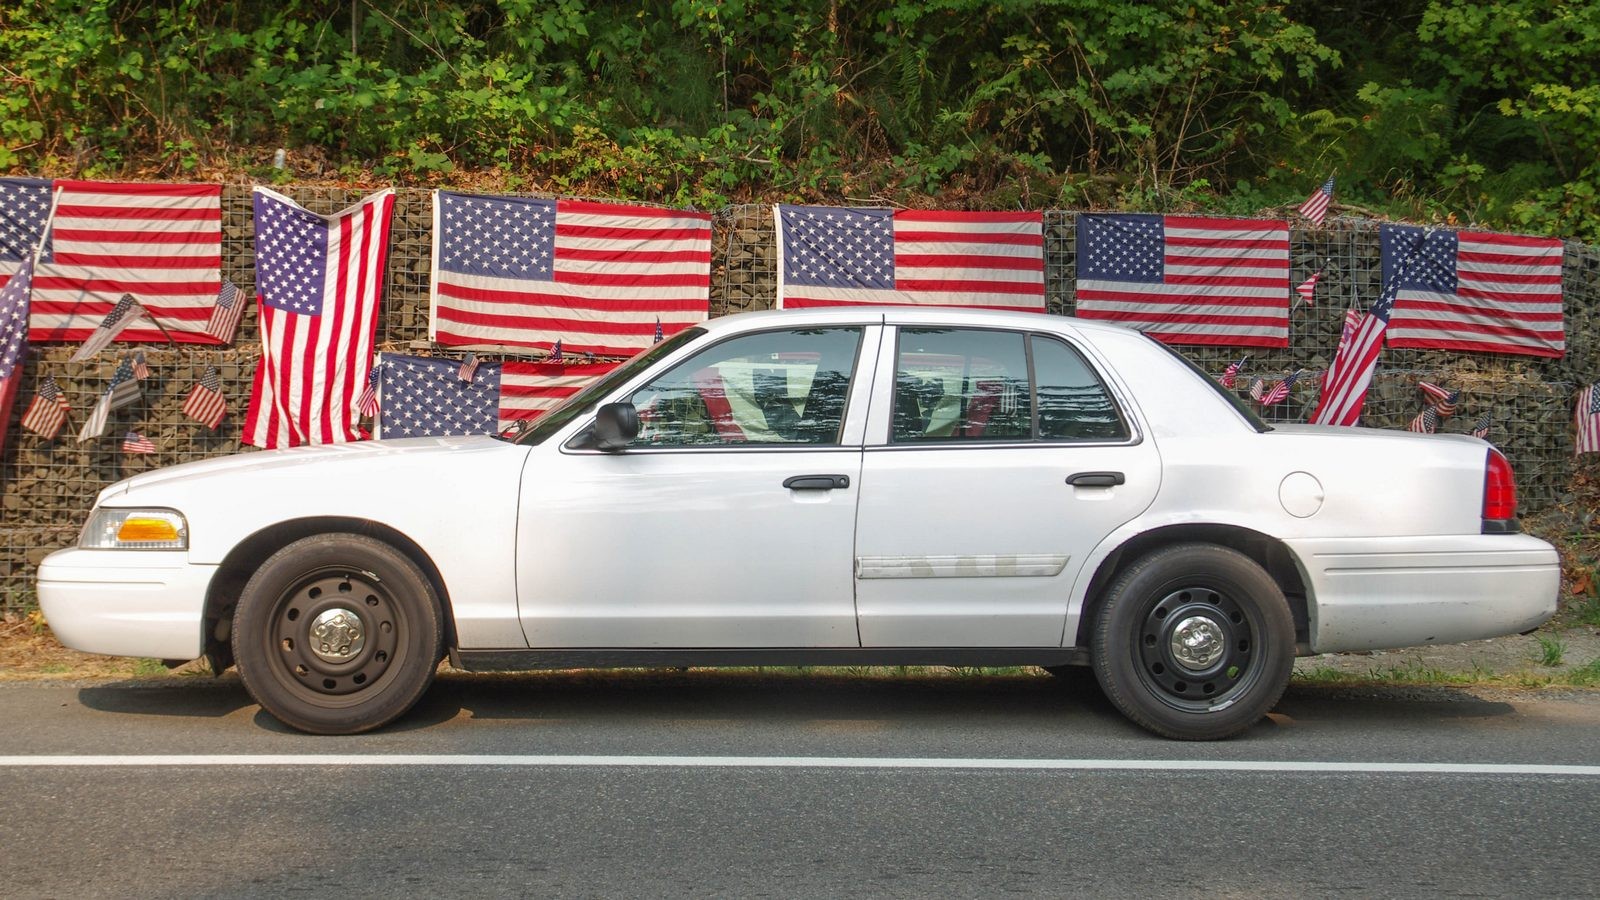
(1074, 404)
(977, 385)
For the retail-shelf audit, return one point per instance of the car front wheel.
(337, 634)
(1194, 641)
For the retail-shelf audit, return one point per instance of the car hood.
(360, 453)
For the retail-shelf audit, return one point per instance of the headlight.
(135, 529)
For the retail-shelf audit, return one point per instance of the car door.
(730, 519)
(996, 460)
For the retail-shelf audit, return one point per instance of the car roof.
(905, 315)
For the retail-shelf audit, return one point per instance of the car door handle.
(816, 482)
(1096, 479)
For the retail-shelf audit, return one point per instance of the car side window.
(959, 384)
(1074, 404)
(772, 387)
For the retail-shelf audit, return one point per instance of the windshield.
(584, 400)
(1233, 399)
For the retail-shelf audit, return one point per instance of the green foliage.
(1434, 108)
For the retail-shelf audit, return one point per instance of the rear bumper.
(126, 602)
(1374, 593)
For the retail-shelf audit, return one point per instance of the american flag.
(127, 313)
(469, 367)
(159, 242)
(1308, 289)
(122, 391)
(525, 272)
(368, 404)
(1316, 205)
(13, 339)
(48, 411)
(1586, 419)
(1474, 291)
(1442, 399)
(833, 256)
(1426, 422)
(1231, 374)
(1481, 428)
(141, 369)
(134, 442)
(555, 352)
(1258, 389)
(1186, 280)
(225, 315)
(659, 334)
(423, 396)
(205, 403)
(318, 279)
(1344, 388)
(1280, 391)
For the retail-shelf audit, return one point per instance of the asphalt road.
(709, 785)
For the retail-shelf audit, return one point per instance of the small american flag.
(48, 411)
(1442, 399)
(205, 403)
(555, 352)
(836, 256)
(1308, 289)
(1230, 375)
(134, 442)
(1185, 279)
(1475, 292)
(523, 271)
(141, 369)
(1258, 389)
(1316, 206)
(122, 391)
(1425, 422)
(469, 367)
(1280, 391)
(658, 331)
(368, 404)
(1481, 428)
(123, 316)
(225, 315)
(1587, 420)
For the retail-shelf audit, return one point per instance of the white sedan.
(835, 487)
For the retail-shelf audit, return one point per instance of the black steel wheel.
(1194, 641)
(337, 634)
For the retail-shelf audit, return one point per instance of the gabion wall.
(47, 487)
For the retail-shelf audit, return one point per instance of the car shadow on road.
(187, 698)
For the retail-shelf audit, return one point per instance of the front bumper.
(126, 602)
(1375, 593)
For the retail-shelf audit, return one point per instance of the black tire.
(337, 684)
(1236, 663)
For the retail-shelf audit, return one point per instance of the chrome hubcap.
(1197, 643)
(337, 634)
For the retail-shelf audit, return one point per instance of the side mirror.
(615, 426)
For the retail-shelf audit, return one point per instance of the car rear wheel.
(337, 634)
(1194, 641)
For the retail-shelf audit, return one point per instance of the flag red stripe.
(545, 323)
(635, 256)
(940, 215)
(912, 285)
(179, 214)
(596, 208)
(213, 263)
(651, 235)
(968, 261)
(102, 235)
(553, 298)
(1473, 346)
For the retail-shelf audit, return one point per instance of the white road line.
(800, 762)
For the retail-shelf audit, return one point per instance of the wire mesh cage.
(48, 486)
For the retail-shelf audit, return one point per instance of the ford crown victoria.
(833, 487)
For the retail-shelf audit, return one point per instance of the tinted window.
(775, 387)
(1074, 404)
(956, 384)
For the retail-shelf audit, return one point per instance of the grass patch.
(1551, 650)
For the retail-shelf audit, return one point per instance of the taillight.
(1499, 494)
